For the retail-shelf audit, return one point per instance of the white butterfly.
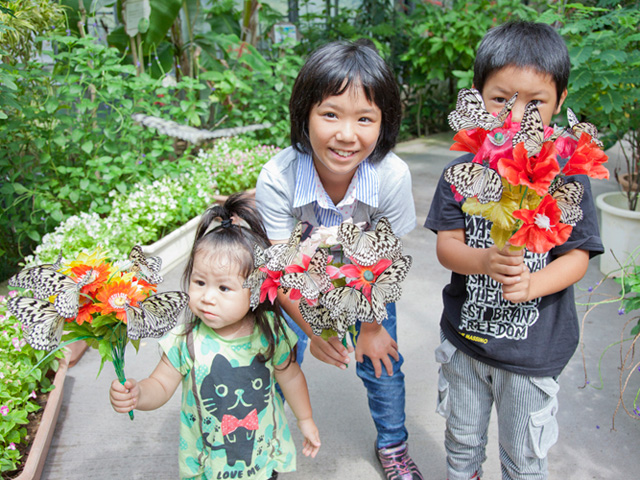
(148, 267)
(42, 325)
(281, 255)
(367, 247)
(319, 319)
(256, 277)
(345, 306)
(45, 282)
(568, 197)
(386, 288)
(532, 131)
(577, 128)
(470, 112)
(313, 281)
(475, 180)
(192, 134)
(155, 315)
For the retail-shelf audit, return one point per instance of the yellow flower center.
(118, 301)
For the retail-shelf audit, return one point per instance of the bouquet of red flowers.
(517, 178)
(340, 274)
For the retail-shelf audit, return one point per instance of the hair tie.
(226, 223)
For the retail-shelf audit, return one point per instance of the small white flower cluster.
(145, 213)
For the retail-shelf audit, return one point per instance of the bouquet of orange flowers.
(517, 178)
(340, 274)
(90, 298)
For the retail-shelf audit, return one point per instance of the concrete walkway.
(93, 442)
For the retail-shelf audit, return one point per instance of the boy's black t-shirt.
(535, 338)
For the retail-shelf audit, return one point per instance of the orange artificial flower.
(535, 172)
(86, 311)
(115, 295)
(587, 160)
(100, 275)
(541, 229)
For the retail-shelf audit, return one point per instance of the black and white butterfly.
(568, 197)
(314, 280)
(256, 278)
(319, 319)
(281, 255)
(192, 134)
(367, 247)
(386, 288)
(470, 112)
(42, 325)
(346, 305)
(475, 180)
(577, 128)
(148, 267)
(45, 282)
(155, 315)
(532, 131)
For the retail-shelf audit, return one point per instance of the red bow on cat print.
(231, 423)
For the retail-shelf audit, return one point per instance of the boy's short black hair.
(324, 74)
(523, 44)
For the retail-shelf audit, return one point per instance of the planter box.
(620, 230)
(174, 248)
(40, 447)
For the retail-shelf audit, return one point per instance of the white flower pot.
(620, 230)
(174, 248)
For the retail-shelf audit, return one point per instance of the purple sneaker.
(397, 463)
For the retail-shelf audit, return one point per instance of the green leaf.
(87, 146)
(19, 188)
(33, 235)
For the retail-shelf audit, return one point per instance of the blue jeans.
(386, 394)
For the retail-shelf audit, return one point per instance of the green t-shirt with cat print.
(232, 424)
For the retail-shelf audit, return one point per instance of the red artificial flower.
(363, 277)
(469, 140)
(456, 195)
(541, 229)
(115, 295)
(269, 287)
(565, 146)
(535, 172)
(587, 160)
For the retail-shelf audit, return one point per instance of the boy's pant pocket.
(543, 424)
(444, 352)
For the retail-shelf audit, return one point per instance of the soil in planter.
(32, 428)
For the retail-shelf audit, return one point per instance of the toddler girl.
(228, 359)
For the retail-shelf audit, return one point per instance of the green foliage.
(69, 139)
(604, 45)
(19, 387)
(442, 51)
(152, 210)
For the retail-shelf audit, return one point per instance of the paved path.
(93, 442)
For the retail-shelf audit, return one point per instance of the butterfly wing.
(531, 130)
(577, 128)
(316, 316)
(387, 288)
(474, 180)
(148, 267)
(346, 305)
(257, 277)
(314, 280)
(367, 247)
(470, 112)
(282, 254)
(135, 322)
(160, 312)
(42, 325)
(568, 197)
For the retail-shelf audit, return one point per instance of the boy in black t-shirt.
(509, 324)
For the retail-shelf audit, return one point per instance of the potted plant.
(604, 46)
(30, 399)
